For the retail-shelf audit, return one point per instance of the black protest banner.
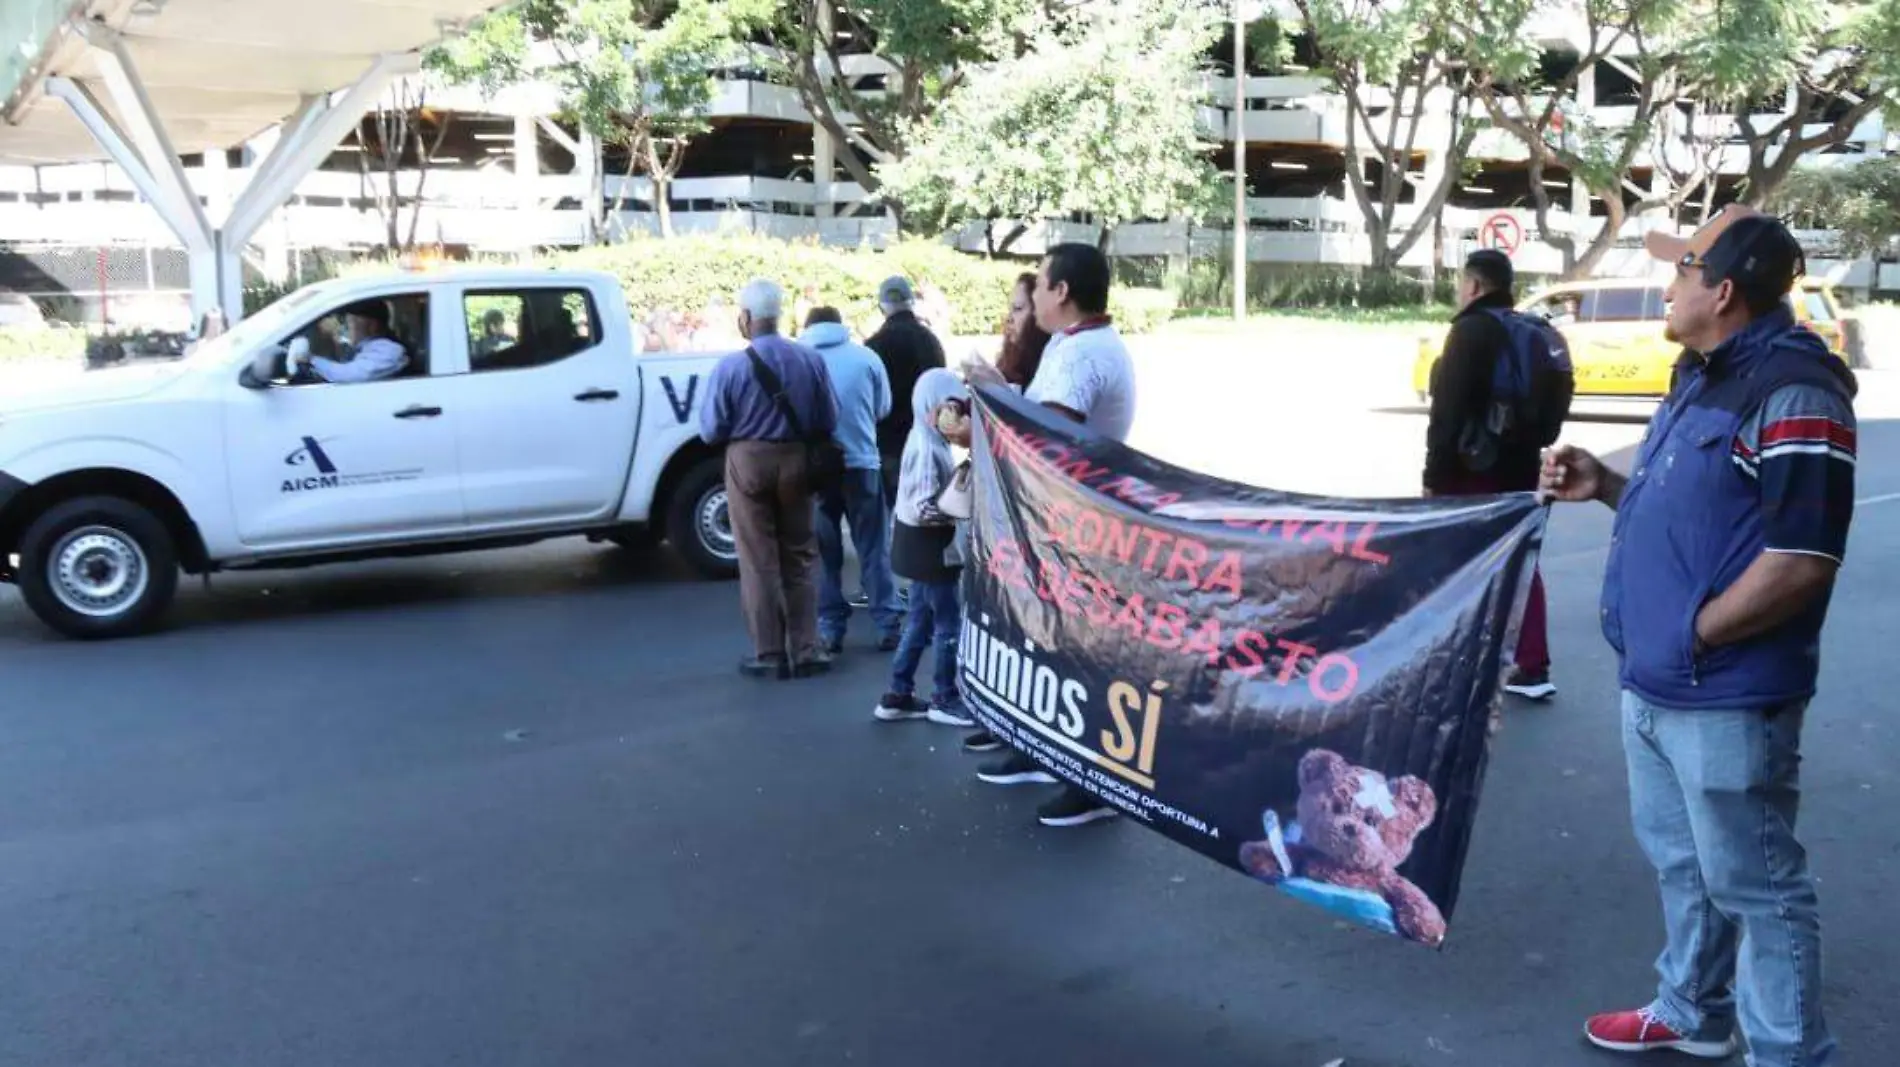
(1297, 687)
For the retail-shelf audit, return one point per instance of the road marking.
(1885, 498)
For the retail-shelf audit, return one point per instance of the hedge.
(20, 344)
(691, 273)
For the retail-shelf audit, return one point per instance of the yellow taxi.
(1615, 330)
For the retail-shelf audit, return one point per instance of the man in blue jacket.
(863, 392)
(1727, 539)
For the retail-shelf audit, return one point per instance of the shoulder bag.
(824, 460)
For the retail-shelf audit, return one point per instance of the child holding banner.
(924, 550)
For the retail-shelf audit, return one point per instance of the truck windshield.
(259, 328)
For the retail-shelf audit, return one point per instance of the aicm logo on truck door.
(323, 473)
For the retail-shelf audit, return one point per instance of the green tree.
(638, 74)
(1097, 119)
(1860, 202)
(1701, 68)
(1805, 54)
(931, 44)
(1647, 38)
(1393, 64)
(1269, 49)
(401, 133)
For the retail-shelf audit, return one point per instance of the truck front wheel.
(699, 522)
(98, 567)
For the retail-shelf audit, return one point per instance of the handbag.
(955, 499)
(824, 460)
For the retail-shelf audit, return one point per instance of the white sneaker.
(943, 716)
(1530, 686)
(895, 707)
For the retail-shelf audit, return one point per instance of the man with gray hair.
(766, 404)
(908, 349)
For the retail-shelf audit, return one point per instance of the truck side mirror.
(257, 374)
(272, 362)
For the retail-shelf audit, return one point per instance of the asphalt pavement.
(518, 808)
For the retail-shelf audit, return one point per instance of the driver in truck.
(375, 353)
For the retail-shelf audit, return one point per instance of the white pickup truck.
(525, 412)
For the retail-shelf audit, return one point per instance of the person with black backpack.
(1501, 391)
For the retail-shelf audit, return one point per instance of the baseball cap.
(1740, 245)
(374, 310)
(896, 290)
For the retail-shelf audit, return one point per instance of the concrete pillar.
(527, 179)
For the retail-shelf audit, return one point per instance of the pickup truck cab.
(524, 411)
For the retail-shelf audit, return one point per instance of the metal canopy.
(218, 72)
(141, 81)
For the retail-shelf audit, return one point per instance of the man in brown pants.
(763, 404)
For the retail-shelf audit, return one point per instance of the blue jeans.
(1713, 795)
(860, 502)
(935, 621)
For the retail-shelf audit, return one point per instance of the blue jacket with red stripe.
(1752, 451)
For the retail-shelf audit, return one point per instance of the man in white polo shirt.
(1085, 374)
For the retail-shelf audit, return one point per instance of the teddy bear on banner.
(1354, 830)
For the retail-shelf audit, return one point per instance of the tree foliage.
(1268, 47)
(1099, 119)
(1825, 50)
(1702, 68)
(931, 45)
(1394, 64)
(1649, 39)
(1860, 202)
(638, 74)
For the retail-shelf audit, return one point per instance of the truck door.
(552, 398)
(315, 463)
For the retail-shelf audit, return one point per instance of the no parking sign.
(1502, 232)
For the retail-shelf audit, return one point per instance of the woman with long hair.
(1023, 340)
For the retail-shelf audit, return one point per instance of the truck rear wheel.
(699, 522)
(98, 567)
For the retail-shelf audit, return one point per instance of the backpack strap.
(775, 388)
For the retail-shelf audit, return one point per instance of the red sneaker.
(1642, 1031)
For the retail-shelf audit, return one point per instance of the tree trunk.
(620, 194)
(663, 204)
(1438, 254)
(422, 176)
(1708, 203)
(1765, 179)
(664, 159)
(1565, 244)
(1605, 239)
(392, 203)
(596, 189)
(814, 92)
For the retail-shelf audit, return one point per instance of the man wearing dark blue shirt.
(768, 483)
(1729, 533)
